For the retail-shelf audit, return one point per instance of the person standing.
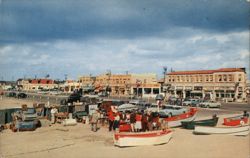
(138, 118)
(111, 119)
(132, 121)
(116, 122)
(144, 122)
(94, 120)
(53, 112)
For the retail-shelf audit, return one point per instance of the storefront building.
(222, 84)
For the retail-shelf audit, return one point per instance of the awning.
(196, 92)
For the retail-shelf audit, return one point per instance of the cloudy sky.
(81, 37)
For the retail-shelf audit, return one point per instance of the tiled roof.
(42, 81)
(207, 71)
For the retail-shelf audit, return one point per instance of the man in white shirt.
(53, 112)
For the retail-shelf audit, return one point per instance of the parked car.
(210, 104)
(22, 95)
(11, 94)
(152, 108)
(191, 102)
(172, 110)
(103, 94)
(127, 107)
(142, 105)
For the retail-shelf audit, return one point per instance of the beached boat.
(175, 121)
(126, 139)
(238, 131)
(208, 122)
(236, 121)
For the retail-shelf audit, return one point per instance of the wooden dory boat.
(208, 122)
(126, 139)
(175, 121)
(238, 131)
(236, 121)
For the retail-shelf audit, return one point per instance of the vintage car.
(210, 104)
(172, 110)
(22, 95)
(191, 102)
(152, 108)
(127, 107)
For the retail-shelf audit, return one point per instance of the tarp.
(5, 115)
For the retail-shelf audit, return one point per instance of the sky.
(80, 37)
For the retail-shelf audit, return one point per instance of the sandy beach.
(78, 141)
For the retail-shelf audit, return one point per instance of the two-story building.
(36, 84)
(224, 83)
(143, 85)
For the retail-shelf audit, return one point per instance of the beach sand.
(79, 142)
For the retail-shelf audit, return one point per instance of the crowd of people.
(130, 121)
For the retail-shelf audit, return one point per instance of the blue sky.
(59, 37)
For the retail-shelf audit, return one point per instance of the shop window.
(147, 90)
(155, 90)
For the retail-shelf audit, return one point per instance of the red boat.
(236, 121)
(173, 121)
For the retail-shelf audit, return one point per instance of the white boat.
(238, 131)
(125, 139)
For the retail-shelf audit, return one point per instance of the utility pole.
(108, 88)
(165, 69)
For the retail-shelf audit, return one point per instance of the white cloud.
(197, 51)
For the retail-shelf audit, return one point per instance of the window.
(200, 78)
(240, 79)
(225, 77)
(155, 90)
(211, 78)
(207, 78)
(147, 90)
(220, 78)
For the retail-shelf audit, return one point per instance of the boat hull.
(175, 121)
(141, 139)
(192, 124)
(235, 121)
(238, 131)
